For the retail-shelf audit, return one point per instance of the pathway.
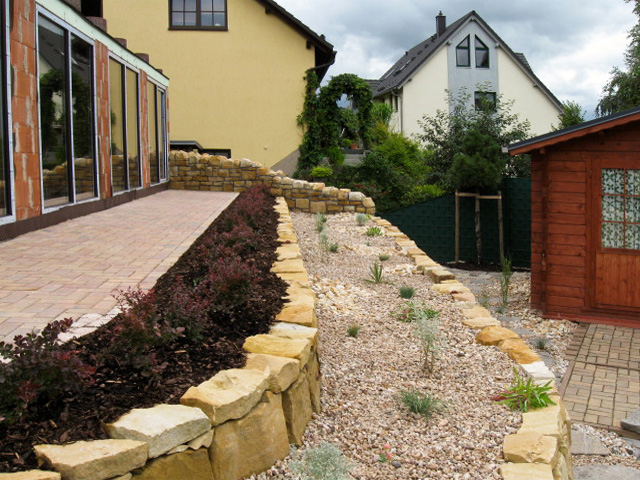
(75, 267)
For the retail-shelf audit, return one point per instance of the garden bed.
(189, 327)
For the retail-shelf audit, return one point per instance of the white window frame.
(165, 133)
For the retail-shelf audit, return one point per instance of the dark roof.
(576, 131)
(373, 84)
(414, 58)
(325, 54)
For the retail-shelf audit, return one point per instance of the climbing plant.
(323, 120)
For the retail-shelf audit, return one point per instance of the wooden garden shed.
(585, 214)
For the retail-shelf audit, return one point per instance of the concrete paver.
(76, 267)
(602, 385)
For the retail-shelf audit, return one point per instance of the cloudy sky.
(572, 45)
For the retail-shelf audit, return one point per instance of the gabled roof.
(325, 54)
(576, 131)
(402, 71)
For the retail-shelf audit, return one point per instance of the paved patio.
(602, 385)
(74, 268)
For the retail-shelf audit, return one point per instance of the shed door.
(616, 236)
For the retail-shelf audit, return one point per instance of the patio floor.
(76, 267)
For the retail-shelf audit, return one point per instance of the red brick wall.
(25, 110)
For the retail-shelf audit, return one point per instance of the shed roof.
(402, 71)
(576, 131)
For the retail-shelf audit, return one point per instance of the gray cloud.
(572, 45)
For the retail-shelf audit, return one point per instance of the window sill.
(219, 29)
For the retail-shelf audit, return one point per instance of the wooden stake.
(457, 252)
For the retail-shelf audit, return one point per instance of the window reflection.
(116, 96)
(133, 154)
(153, 136)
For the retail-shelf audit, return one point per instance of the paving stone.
(600, 472)
(30, 475)
(586, 444)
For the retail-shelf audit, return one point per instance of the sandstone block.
(30, 475)
(314, 377)
(519, 351)
(288, 266)
(300, 295)
(281, 371)
(318, 207)
(252, 444)
(368, 202)
(301, 314)
(530, 448)
(228, 395)
(476, 312)
(288, 251)
(299, 349)
(449, 288)
(438, 275)
(292, 330)
(163, 427)
(194, 465)
(416, 252)
(94, 460)
(300, 278)
(494, 335)
(302, 204)
(296, 405)
(550, 420)
(526, 471)
(382, 222)
(481, 322)
(466, 297)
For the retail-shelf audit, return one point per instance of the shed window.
(463, 53)
(621, 208)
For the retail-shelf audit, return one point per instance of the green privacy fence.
(431, 225)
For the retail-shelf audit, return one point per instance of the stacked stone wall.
(236, 424)
(192, 171)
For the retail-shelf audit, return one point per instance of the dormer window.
(463, 53)
(482, 54)
(198, 14)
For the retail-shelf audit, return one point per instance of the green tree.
(445, 132)
(572, 114)
(479, 164)
(623, 89)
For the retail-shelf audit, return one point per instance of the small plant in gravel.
(542, 343)
(427, 331)
(353, 330)
(406, 292)
(323, 240)
(362, 218)
(505, 279)
(374, 231)
(321, 219)
(324, 462)
(423, 404)
(383, 257)
(333, 247)
(523, 394)
(376, 273)
(385, 454)
(410, 312)
(483, 298)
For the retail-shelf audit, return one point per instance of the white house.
(466, 54)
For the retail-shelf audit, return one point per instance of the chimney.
(441, 24)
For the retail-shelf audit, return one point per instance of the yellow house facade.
(237, 71)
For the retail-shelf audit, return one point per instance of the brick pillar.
(104, 119)
(25, 109)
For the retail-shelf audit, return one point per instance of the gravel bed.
(363, 376)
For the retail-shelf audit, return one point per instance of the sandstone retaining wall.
(238, 423)
(192, 171)
(541, 449)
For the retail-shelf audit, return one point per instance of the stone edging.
(541, 449)
(193, 171)
(238, 423)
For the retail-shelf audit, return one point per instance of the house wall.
(425, 93)
(530, 102)
(560, 262)
(240, 89)
(26, 183)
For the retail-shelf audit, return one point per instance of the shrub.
(406, 291)
(427, 331)
(38, 372)
(424, 404)
(324, 462)
(321, 171)
(383, 257)
(362, 218)
(525, 394)
(542, 343)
